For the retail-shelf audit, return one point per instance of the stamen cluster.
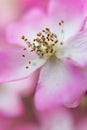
(44, 44)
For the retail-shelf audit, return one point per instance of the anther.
(61, 43)
(59, 23)
(32, 50)
(23, 55)
(62, 21)
(27, 67)
(23, 37)
(29, 45)
(47, 29)
(29, 62)
(24, 49)
(39, 34)
(51, 50)
(56, 41)
(46, 43)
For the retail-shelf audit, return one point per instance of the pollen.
(27, 67)
(46, 42)
(23, 55)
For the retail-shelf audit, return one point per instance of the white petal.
(13, 66)
(75, 49)
(58, 84)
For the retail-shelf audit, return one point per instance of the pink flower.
(60, 53)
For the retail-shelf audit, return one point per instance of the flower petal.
(58, 84)
(57, 119)
(70, 11)
(84, 24)
(29, 25)
(13, 65)
(75, 49)
(65, 8)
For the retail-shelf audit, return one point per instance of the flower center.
(46, 43)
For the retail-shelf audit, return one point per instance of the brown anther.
(52, 40)
(23, 37)
(27, 67)
(34, 40)
(29, 45)
(38, 47)
(42, 54)
(55, 35)
(48, 35)
(37, 40)
(32, 50)
(47, 38)
(33, 44)
(29, 62)
(38, 50)
(59, 23)
(46, 43)
(43, 38)
(46, 50)
(39, 34)
(61, 43)
(56, 41)
(23, 55)
(47, 29)
(24, 49)
(51, 50)
(53, 44)
(62, 21)
(43, 30)
(43, 44)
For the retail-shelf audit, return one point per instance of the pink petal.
(71, 12)
(29, 4)
(29, 25)
(10, 104)
(65, 8)
(13, 66)
(11, 10)
(75, 49)
(84, 24)
(58, 84)
(22, 87)
(59, 119)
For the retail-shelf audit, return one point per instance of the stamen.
(61, 32)
(24, 49)
(27, 67)
(46, 43)
(23, 55)
(23, 37)
(29, 62)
